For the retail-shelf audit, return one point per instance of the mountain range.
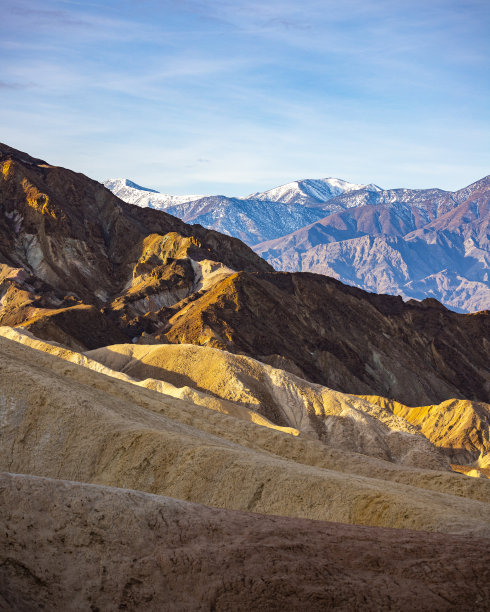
(183, 427)
(74, 256)
(413, 243)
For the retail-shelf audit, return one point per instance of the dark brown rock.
(70, 546)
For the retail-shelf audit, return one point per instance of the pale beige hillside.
(71, 546)
(202, 399)
(304, 449)
(459, 427)
(65, 421)
(337, 419)
(245, 388)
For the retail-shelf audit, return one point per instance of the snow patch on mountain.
(310, 192)
(121, 183)
(143, 196)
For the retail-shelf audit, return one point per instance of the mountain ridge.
(75, 257)
(320, 225)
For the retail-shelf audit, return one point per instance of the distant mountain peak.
(310, 192)
(144, 196)
(118, 183)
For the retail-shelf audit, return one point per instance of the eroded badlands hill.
(248, 389)
(63, 420)
(81, 267)
(459, 427)
(69, 545)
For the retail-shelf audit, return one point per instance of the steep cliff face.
(81, 267)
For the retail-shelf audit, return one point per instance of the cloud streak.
(374, 91)
(11, 86)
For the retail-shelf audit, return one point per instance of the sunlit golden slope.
(248, 389)
(66, 421)
(459, 427)
(337, 419)
(196, 397)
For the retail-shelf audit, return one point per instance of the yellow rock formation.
(461, 428)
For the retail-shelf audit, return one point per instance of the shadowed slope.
(72, 546)
(342, 337)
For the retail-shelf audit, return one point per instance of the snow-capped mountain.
(412, 242)
(123, 185)
(143, 196)
(253, 220)
(311, 192)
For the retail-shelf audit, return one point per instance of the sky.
(237, 96)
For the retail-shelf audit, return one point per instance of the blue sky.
(238, 96)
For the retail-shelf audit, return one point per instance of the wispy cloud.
(11, 86)
(65, 25)
(238, 95)
(34, 16)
